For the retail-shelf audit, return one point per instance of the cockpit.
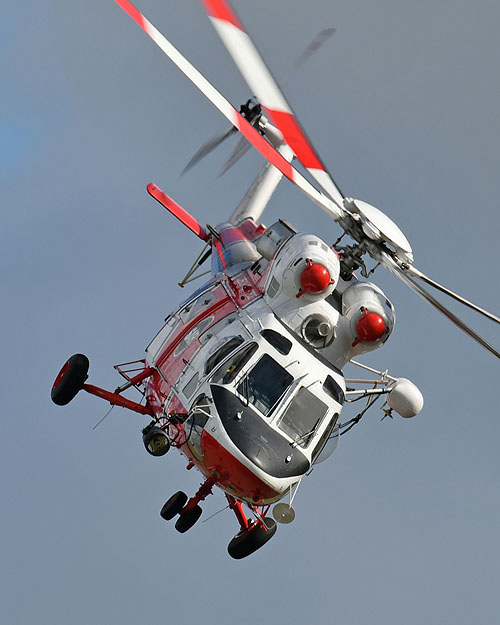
(277, 405)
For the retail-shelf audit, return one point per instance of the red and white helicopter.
(245, 378)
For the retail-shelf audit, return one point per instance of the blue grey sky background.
(401, 525)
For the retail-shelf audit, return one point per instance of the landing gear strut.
(253, 534)
(189, 511)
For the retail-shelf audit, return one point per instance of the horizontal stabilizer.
(182, 215)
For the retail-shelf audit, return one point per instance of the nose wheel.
(188, 514)
(189, 511)
(188, 518)
(173, 506)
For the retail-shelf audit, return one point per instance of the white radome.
(405, 398)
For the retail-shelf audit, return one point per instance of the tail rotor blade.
(240, 150)
(311, 49)
(207, 147)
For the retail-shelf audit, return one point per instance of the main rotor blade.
(207, 147)
(397, 271)
(333, 208)
(265, 88)
(418, 274)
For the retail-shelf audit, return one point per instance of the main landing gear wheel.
(251, 539)
(187, 519)
(174, 505)
(70, 379)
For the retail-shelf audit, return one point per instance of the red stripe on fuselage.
(231, 474)
(188, 328)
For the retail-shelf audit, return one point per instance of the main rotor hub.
(377, 227)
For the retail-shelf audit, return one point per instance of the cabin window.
(194, 424)
(190, 387)
(194, 308)
(230, 369)
(220, 354)
(333, 389)
(194, 334)
(217, 327)
(302, 417)
(279, 342)
(264, 385)
(325, 437)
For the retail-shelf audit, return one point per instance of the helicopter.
(246, 377)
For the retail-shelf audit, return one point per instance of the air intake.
(318, 330)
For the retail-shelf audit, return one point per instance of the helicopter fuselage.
(250, 401)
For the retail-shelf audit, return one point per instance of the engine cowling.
(370, 316)
(304, 269)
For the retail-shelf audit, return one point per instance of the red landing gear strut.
(252, 535)
(71, 379)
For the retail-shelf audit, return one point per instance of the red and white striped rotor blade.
(266, 149)
(267, 92)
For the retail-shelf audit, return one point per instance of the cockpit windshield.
(302, 417)
(227, 372)
(265, 384)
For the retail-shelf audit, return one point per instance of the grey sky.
(400, 526)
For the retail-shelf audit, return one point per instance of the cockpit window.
(277, 340)
(265, 384)
(222, 352)
(226, 373)
(333, 389)
(302, 417)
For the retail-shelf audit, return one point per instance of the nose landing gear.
(174, 505)
(253, 534)
(187, 518)
(189, 511)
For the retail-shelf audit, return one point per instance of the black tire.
(248, 541)
(70, 379)
(187, 519)
(174, 505)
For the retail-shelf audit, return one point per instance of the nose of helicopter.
(256, 440)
